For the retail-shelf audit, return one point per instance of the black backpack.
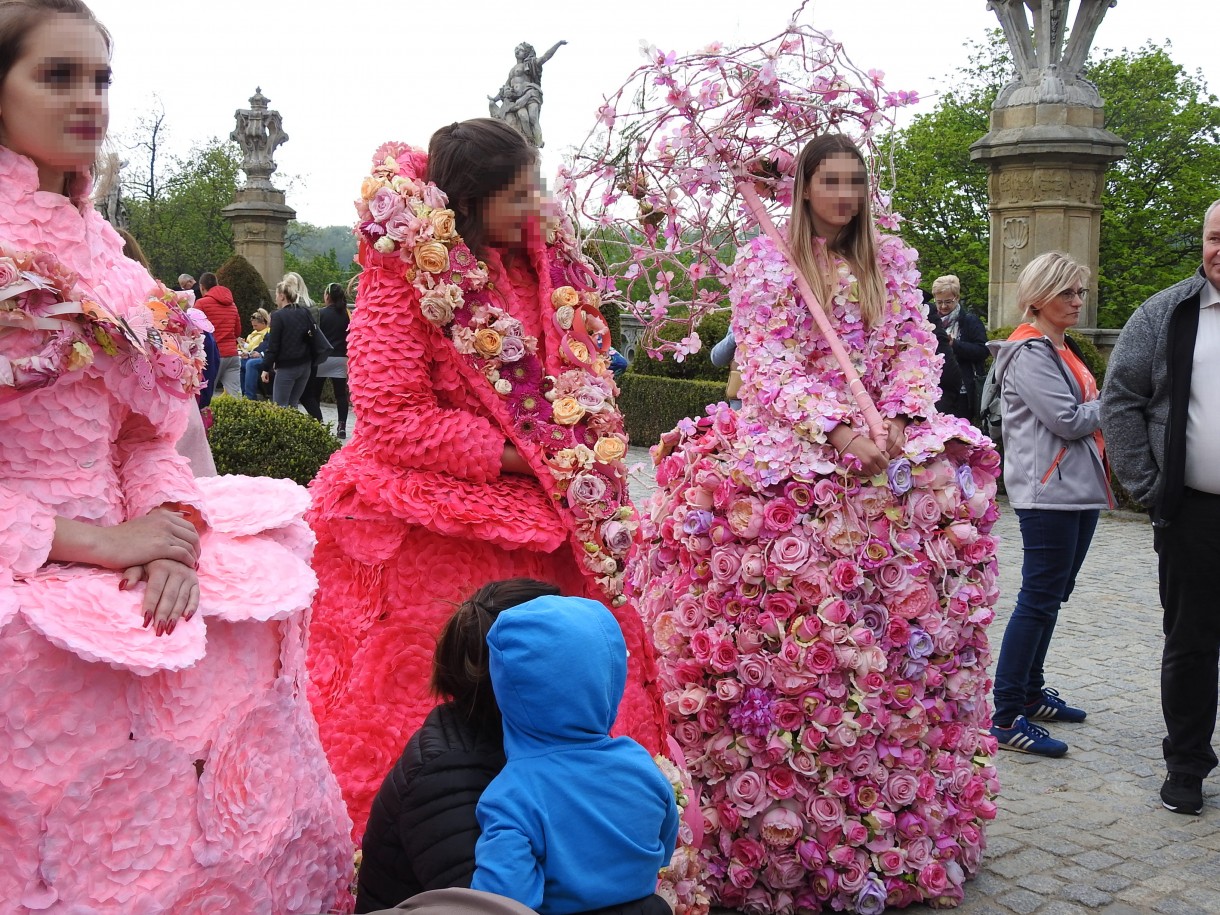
(991, 416)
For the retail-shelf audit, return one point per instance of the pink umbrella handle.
(876, 425)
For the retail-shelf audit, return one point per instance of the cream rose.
(504, 387)
(564, 315)
(487, 343)
(437, 305)
(385, 245)
(609, 448)
(568, 411)
(444, 224)
(432, 256)
(370, 186)
(565, 296)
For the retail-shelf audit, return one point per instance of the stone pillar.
(258, 212)
(260, 219)
(1048, 165)
(1047, 150)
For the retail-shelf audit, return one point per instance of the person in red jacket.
(217, 303)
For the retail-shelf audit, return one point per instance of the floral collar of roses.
(156, 342)
(565, 422)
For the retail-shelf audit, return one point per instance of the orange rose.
(565, 295)
(487, 343)
(444, 223)
(370, 186)
(609, 449)
(432, 256)
(568, 411)
(579, 350)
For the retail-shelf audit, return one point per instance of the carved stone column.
(258, 212)
(1048, 151)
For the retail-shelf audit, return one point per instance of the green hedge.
(697, 367)
(259, 439)
(652, 406)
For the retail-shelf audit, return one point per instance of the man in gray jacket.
(1161, 416)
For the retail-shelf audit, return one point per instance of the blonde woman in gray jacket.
(1057, 481)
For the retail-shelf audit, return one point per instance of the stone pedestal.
(1048, 162)
(260, 217)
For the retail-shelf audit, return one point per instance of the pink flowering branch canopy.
(655, 184)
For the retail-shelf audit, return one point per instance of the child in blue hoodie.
(577, 820)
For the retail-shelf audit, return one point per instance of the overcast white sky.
(349, 74)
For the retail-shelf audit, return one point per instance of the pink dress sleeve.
(397, 374)
(150, 469)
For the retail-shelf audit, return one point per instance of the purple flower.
(511, 349)
(913, 668)
(920, 643)
(754, 714)
(698, 521)
(871, 898)
(899, 473)
(965, 479)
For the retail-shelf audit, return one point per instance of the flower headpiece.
(657, 174)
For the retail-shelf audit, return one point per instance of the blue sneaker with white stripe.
(1026, 737)
(1049, 707)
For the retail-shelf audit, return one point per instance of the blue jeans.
(250, 370)
(1055, 544)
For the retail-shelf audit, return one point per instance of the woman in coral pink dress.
(819, 601)
(488, 445)
(157, 752)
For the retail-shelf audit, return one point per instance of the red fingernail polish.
(122, 584)
(147, 618)
(169, 627)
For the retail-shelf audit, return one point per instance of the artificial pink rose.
(726, 564)
(835, 611)
(845, 575)
(754, 671)
(919, 852)
(748, 792)
(790, 552)
(854, 873)
(741, 876)
(932, 879)
(587, 488)
(385, 205)
(917, 600)
(724, 657)
(728, 690)
(745, 517)
(826, 493)
(784, 871)
(900, 788)
(781, 781)
(788, 715)
(855, 832)
(688, 734)
(723, 751)
(821, 658)
(617, 537)
(893, 575)
(753, 564)
(512, 349)
(691, 701)
(923, 510)
(780, 515)
(702, 644)
(801, 495)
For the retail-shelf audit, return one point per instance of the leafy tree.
(249, 291)
(1153, 201)
(174, 204)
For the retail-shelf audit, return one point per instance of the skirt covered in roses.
(397, 552)
(175, 774)
(823, 653)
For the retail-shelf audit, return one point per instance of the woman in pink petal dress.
(157, 753)
(819, 601)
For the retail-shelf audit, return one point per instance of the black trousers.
(1189, 554)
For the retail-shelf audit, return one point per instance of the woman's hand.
(266, 376)
(896, 436)
(511, 460)
(846, 440)
(161, 534)
(171, 592)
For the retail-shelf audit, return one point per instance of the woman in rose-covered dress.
(157, 751)
(819, 602)
(489, 445)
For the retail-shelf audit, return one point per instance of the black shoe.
(1183, 793)
(341, 434)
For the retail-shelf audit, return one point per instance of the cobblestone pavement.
(1087, 833)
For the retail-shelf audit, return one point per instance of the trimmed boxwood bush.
(249, 291)
(613, 315)
(259, 439)
(652, 406)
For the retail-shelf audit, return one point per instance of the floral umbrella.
(692, 154)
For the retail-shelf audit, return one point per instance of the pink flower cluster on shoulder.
(62, 331)
(565, 417)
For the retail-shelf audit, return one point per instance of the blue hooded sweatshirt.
(576, 820)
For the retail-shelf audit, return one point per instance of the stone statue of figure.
(259, 131)
(1047, 71)
(519, 100)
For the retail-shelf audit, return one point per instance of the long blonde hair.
(855, 243)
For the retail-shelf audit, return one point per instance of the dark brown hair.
(132, 249)
(20, 17)
(459, 666)
(472, 160)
